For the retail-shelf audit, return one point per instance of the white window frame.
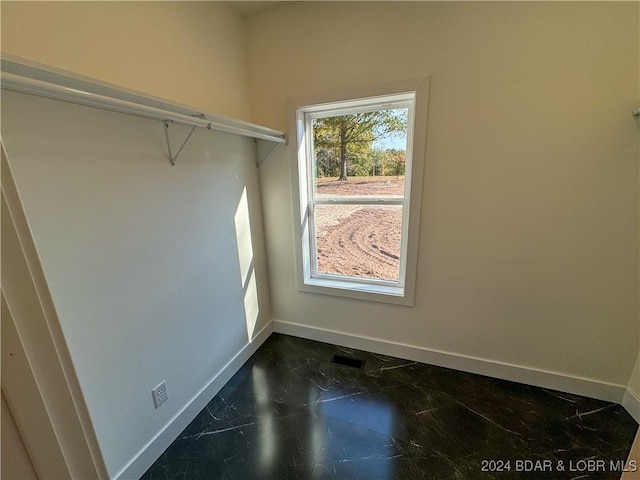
(411, 94)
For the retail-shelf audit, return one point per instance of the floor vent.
(348, 362)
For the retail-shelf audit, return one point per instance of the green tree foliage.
(393, 162)
(343, 144)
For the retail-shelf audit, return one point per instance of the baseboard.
(515, 373)
(556, 381)
(631, 403)
(142, 460)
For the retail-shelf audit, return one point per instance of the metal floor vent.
(348, 362)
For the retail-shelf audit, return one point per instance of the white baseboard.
(631, 403)
(142, 460)
(515, 373)
(556, 381)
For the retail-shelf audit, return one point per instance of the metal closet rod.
(22, 84)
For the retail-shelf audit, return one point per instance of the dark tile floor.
(291, 413)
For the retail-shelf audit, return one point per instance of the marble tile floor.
(292, 413)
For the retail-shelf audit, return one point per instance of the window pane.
(359, 241)
(360, 154)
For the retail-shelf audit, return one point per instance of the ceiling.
(247, 9)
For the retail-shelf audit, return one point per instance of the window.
(358, 179)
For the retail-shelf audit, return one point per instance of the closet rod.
(22, 84)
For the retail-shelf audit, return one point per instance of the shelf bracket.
(172, 157)
(262, 158)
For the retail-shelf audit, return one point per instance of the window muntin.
(371, 211)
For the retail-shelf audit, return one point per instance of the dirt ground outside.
(359, 240)
(361, 186)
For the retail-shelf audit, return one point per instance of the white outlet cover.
(160, 394)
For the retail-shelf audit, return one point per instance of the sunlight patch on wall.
(243, 236)
(245, 259)
(251, 307)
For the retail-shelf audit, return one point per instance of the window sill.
(357, 290)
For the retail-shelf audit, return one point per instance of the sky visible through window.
(398, 141)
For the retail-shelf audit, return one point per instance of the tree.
(394, 161)
(348, 137)
(326, 163)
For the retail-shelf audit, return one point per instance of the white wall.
(528, 249)
(149, 265)
(156, 272)
(189, 52)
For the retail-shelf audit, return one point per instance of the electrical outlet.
(160, 394)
